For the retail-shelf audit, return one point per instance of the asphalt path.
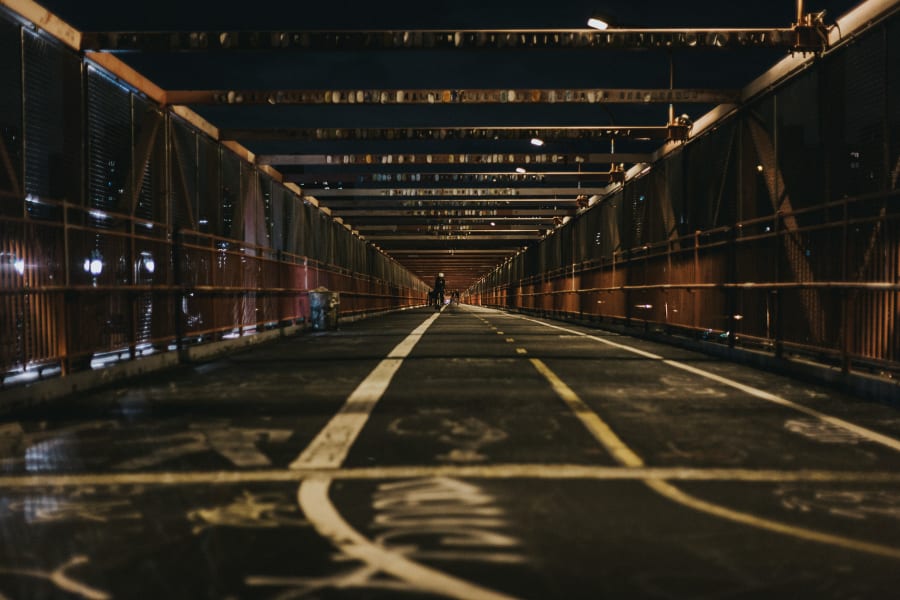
(467, 453)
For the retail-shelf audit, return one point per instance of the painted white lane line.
(544, 471)
(624, 455)
(318, 510)
(330, 447)
(870, 435)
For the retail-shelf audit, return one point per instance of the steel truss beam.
(525, 215)
(337, 204)
(446, 39)
(452, 192)
(474, 132)
(250, 97)
(455, 178)
(503, 226)
(398, 160)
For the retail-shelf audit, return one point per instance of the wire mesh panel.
(183, 166)
(11, 191)
(776, 229)
(109, 141)
(146, 182)
(52, 120)
(209, 186)
(893, 101)
(140, 232)
(230, 196)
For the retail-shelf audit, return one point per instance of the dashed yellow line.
(625, 456)
(510, 340)
(521, 351)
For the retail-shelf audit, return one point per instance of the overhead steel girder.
(453, 178)
(450, 192)
(469, 252)
(396, 160)
(437, 203)
(419, 228)
(454, 236)
(475, 132)
(251, 97)
(525, 215)
(444, 39)
(428, 224)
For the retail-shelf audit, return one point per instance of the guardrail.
(823, 282)
(79, 287)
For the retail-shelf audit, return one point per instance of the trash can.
(323, 309)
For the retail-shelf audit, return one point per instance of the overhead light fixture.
(520, 170)
(537, 142)
(596, 23)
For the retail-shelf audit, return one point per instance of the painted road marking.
(313, 499)
(330, 447)
(598, 428)
(548, 471)
(673, 493)
(624, 455)
(329, 450)
(521, 351)
(868, 434)
(510, 340)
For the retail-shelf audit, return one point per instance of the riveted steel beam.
(461, 214)
(489, 177)
(252, 97)
(397, 160)
(442, 39)
(452, 192)
(474, 132)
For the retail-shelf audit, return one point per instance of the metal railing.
(823, 282)
(78, 286)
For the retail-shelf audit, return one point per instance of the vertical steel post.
(846, 295)
(131, 294)
(779, 300)
(23, 120)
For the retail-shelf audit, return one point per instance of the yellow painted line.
(510, 340)
(673, 493)
(600, 430)
(623, 454)
(521, 351)
(500, 333)
(545, 471)
(868, 434)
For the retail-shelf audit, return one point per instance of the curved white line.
(313, 499)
